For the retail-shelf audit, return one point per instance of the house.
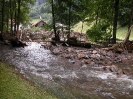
(39, 23)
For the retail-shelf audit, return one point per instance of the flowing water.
(61, 78)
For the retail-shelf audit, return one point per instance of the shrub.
(100, 32)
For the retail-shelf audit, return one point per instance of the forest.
(104, 17)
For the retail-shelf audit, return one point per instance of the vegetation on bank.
(14, 86)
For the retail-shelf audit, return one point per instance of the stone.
(81, 56)
(119, 72)
(125, 72)
(56, 51)
(109, 63)
(77, 63)
(106, 68)
(94, 51)
(70, 49)
(113, 68)
(87, 61)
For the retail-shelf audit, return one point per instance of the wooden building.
(39, 23)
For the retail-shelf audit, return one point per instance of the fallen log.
(70, 42)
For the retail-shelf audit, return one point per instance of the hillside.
(40, 11)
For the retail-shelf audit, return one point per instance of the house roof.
(34, 24)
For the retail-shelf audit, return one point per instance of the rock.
(87, 61)
(80, 56)
(94, 51)
(77, 63)
(125, 72)
(113, 68)
(109, 63)
(119, 72)
(97, 56)
(56, 51)
(6, 42)
(70, 49)
(106, 68)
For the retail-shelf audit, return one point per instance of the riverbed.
(63, 79)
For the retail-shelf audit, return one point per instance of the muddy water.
(61, 78)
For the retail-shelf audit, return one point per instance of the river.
(59, 77)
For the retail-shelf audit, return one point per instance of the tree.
(116, 10)
(2, 13)
(130, 24)
(13, 12)
(53, 17)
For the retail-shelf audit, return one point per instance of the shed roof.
(36, 23)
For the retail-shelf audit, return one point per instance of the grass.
(78, 27)
(121, 32)
(14, 86)
(35, 20)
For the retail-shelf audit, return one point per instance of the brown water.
(59, 76)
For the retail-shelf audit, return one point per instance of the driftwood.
(72, 41)
(126, 45)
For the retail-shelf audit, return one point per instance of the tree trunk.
(82, 29)
(130, 24)
(2, 21)
(15, 20)
(18, 19)
(116, 10)
(69, 19)
(11, 17)
(53, 17)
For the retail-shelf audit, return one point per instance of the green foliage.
(99, 32)
(44, 37)
(36, 29)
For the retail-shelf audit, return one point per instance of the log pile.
(122, 47)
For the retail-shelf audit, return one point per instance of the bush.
(100, 32)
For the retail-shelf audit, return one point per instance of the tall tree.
(53, 17)
(130, 23)
(2, 23)
(18, 18)
(116, 10)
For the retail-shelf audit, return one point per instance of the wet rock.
(97, 56)
(78, 63)
(106, 68)
(89, 79)
(87, 61)
(66, 56)
(125, 72)
(109, 62)
(113, 68)
(119, 72)
(56, 51)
